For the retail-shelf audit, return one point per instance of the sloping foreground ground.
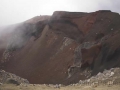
(42, 87)
(64, 48)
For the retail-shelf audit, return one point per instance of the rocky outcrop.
(9, 78)
(107, 77)
(64, 48)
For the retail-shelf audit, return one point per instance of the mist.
(14, 37)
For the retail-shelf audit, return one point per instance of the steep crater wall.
(65, 48)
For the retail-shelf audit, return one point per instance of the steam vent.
(63, 48)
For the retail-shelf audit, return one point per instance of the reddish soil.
(40, 59)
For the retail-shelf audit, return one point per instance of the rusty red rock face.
(60, 48)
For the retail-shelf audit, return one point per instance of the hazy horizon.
(16, 11)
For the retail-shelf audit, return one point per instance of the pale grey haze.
(15, 11)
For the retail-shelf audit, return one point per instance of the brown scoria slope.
(64, 48)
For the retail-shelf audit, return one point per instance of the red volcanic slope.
(59, 48)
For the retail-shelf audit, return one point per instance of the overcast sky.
(14, 11)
